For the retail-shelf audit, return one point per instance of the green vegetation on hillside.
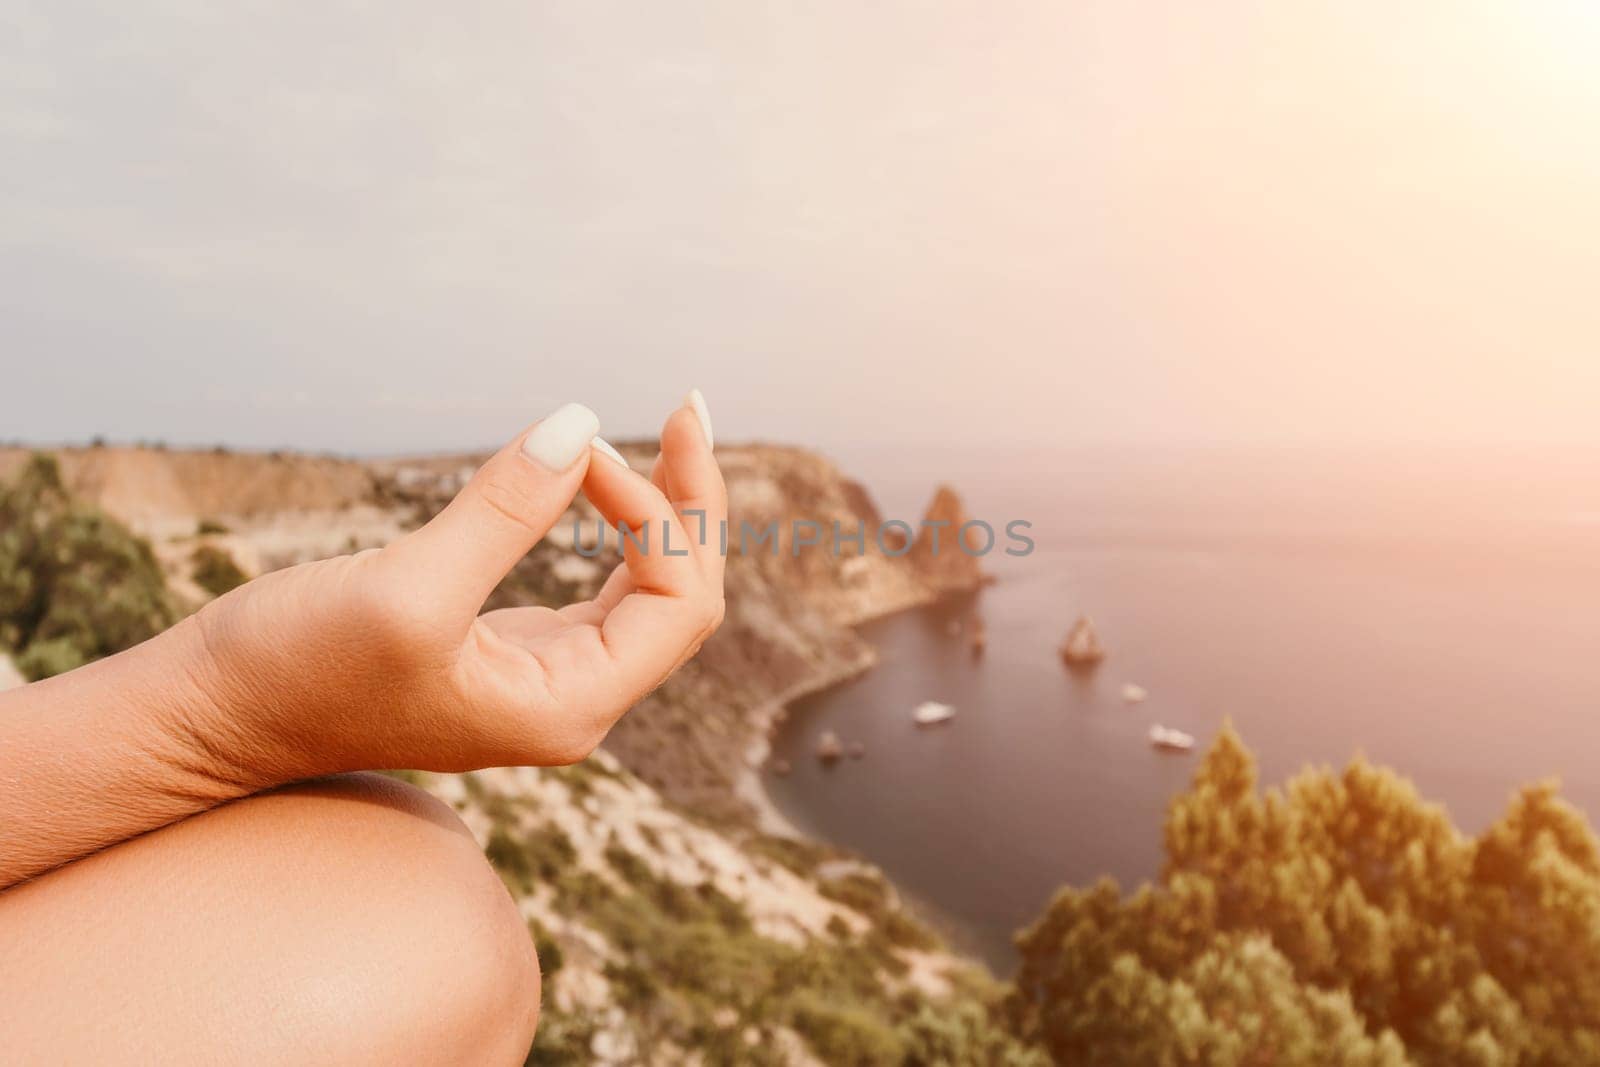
(75, 584)
(1340, 920)
(215, 571)
(689, 969)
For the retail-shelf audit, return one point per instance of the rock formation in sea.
(829, 747)
(1082, 648)
(945, 552)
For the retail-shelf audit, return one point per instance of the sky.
(405, 225)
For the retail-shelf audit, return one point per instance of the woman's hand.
(381, 659)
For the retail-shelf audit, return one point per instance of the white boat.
(1134, 694)
(930, 712)
(1165, 737)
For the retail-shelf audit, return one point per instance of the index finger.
(673, 605)
(687, 472)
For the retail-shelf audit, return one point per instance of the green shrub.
(562, 1040)
(846, 1036)
(701, 902)
(549, 952)
(46, 659)
(526, 859)
(847, 970)
(579, 778)
(960, 1033)
(215, 571)
(510, 859)
(863, 892)
(800, 856)
(630, 867)
(75, 584)
(206, 527)
(632, 985)
(903, 931)
(870, 895)
(579, 891)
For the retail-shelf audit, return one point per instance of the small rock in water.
(781, 768)
(1082, 647)
(829, 747)
(857, 750)
(1134, 694)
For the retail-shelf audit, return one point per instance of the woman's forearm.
(110, 751)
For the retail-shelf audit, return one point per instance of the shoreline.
(960, 939)
(751, 785)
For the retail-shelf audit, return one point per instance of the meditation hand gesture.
(382, 659)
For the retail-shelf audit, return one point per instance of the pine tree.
(1341, 920)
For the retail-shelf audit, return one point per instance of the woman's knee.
(345, 920)
(448, 960)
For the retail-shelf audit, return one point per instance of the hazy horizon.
(399, 228)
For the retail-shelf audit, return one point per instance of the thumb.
(510, 503)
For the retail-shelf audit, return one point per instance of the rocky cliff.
(161, 491)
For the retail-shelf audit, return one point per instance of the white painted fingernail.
(697, 404)
(603, 446)
(561, 437)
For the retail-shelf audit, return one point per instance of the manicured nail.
(561, 437)
(603, 446)
(697, 404)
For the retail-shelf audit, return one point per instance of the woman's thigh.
(348, 920)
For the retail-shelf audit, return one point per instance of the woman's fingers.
(671, 604)
(653, 542)
(582, 666)
(687, 471)
(456, 560)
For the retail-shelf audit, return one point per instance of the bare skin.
(190, 871)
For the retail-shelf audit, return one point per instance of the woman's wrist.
(114, 749)
(190, 709)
